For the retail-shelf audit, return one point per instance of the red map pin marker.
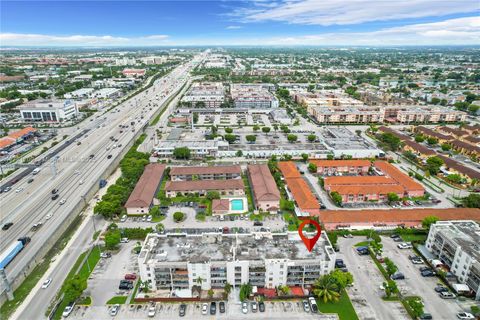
(309, 242)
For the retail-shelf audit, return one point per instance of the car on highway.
(465, 315)
(54, 191)
(113, 312)
(244, 307)
(182, 310)
(19, 190)
(109, 156)
(6, 189)
(48, 216)
(55, 196)
(68, 310)
(62, 201)
(46, 283)
(151, 311)
(7, 226)
(30, 180)
(204, 308)
(80, 182)
(36, 226)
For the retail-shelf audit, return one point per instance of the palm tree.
(327, 289)
(199, 280)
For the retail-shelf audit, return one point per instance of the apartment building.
(205, 173)
(349, 167)
(233, 187)
(457, 245)
(141, 198)
(329, 99)
(198, 149)
(205, 94)
(266, 196)
(48, 110)
(252, 96)
(346, 114)
(177, 264)
(417, 114)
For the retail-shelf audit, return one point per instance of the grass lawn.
(117, 300)
(159, 218)
(343, 307)
(414, 237)
(86, 301)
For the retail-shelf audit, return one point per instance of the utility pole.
(6, 284)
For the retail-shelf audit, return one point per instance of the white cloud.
(349, 12)
(233, 27)
(23, 39)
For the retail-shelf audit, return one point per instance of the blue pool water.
(236, 204)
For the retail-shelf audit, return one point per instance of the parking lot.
(273, 310)
(104, 280)
(366, 295)
(416, 285)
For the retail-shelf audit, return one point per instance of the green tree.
(455, 178)
(112, 239)
(432, 141)
(154, 211)
(304, 157)
(213, 195)
(178, 216)
(428, 221)
(358, 132)
(446, 147)
(266, 130)
(312, 167)
(230, 138)
(160, 227)
(181, 153)
(227, 288)
(330, 156)
(228, 130)
(390, 266)
(392, 197)
(336, 197)
(327, 289)
(419, 138)
(74, 288)
(251, 138)
(472, 200)
(343, 279)
(210, 293)
(239, 153)
(256, 127)
(391, 141)
(245, 291)
(416, 306)
(390, 288)
(311, 137)
(433, 165)
(107, 209)
(292, 138)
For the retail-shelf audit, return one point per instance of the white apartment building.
(48, 111)
(176, 263)
(346, 114)
(412, 114)
(198, 149)
(457, 245)
(253, 96)
(209, 94)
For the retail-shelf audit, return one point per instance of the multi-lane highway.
(78, 167)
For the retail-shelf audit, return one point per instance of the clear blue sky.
(303, 22)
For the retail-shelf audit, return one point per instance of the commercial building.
(198, 149)
(134, 73)
(141, 198)
(80, 93)
(107, 93)
(206, 94)
(233, 187)
(48, 111)
(457, 245)
(252, 96)
(266, 196)
(205, 173)
(16, 137)
(349, 167)
(174, 264)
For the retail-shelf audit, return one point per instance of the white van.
(35, 171)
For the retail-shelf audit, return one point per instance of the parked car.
(441, 289)
(339, 263)
(213, 308)
(254, 306)
(362, 250)
(46, 283)
(149, 218)
(245, 307)
(427, 273)
(404, 245)
(397, 276)
(313, 304)
(261, 306)
(306, 306)
(447, 295)
(204, 308)
(425, 316)
(151, 311)
(113, 312)
(182, 310)
(130, 276)
(125, 285)
(105, 255)
(124, 240)
(221, 307)
(465, 315)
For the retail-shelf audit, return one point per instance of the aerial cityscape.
(296, 159)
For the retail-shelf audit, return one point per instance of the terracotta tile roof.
(469, 172)
(289, 169)
(142, 195)
(205, 170)
(220, 205)
(408, 183)
(454, 131)
(359, 180)
(20, 133)
(371, 189)
(302, 194)
(472, 139)
(263, 185)
(409, 142)
(431, 133)
(6, 142)
(341, 163)
(397, 215)
(472, 128)
(466, 146)
(229, 184)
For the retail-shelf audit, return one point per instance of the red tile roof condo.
(142, 195)
(265, 192)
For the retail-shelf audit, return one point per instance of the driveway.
(104, 280)
(415, 284)
(366, 294)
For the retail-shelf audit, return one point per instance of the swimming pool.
(236, 204)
